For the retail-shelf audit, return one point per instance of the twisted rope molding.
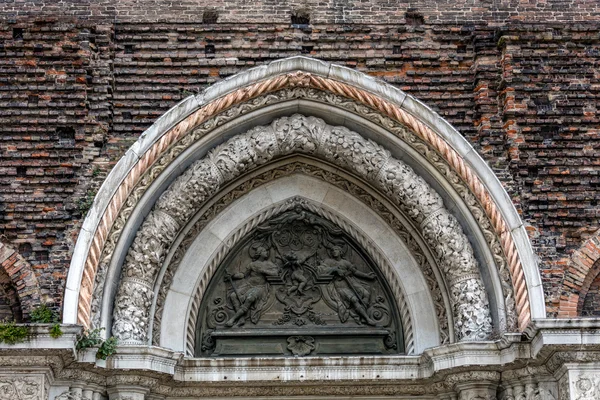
(277, 209)
(303, 79)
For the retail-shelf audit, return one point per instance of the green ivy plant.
(91, 338)
(10, 333)
(88, 339)
(43, 314)
(107, 348)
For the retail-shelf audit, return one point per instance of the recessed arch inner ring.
(302, 164)
(216, 239)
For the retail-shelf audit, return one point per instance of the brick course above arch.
(22, 277)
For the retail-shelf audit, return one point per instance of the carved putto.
(297, 285)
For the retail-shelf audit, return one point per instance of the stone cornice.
(554, 340)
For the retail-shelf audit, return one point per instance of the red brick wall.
(591, 305)
(79, 87)
(331, 11)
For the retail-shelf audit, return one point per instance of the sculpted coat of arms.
(298, 285)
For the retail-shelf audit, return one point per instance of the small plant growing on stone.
(85, 203)
(55, 331)
(107, 348)
(91, 338)
(43, 314)
(10, 333)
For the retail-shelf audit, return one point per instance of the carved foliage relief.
(21, 388)
(587, 386)
(340, 146)
(297, 285)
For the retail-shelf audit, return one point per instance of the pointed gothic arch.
(405, 128)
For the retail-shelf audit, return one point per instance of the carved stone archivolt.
(339, 102)
(343, 148)
(298, 278)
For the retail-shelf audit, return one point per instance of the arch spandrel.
(273, 78)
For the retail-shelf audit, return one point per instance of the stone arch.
(415, 304)
(344, 149)
(19, 283)
(10, 305)
(303, 72)
(584, 266)
(588, 304)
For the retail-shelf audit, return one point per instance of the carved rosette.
(311, 136)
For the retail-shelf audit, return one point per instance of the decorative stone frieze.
(338, 145)
(551, 366)
(22, 387)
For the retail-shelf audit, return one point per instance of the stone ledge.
(548, 336)
(39, 339)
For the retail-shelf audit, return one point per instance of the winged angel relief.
(296, 274)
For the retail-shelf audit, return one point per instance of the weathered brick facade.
(521, 81)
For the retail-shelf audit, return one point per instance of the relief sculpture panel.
(298, 286)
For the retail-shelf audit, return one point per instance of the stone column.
(477, 391)
(475, 385)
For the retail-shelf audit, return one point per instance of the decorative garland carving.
(277, 209)
(338, 145)
(300, 79)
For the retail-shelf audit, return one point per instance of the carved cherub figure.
(250, 298)
(348, 292)
(299, 280)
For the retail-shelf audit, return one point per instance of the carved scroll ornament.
(338, 145)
